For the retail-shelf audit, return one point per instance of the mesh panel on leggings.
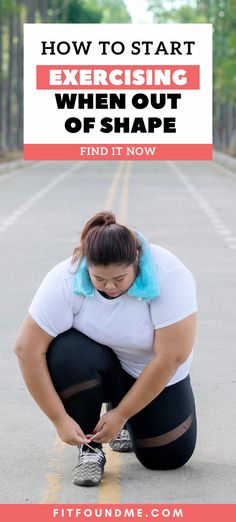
(76, 388)
(166, 438)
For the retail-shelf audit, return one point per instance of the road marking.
(12, 218)
(21, 170)
(212, 215)
(124, 197)
(53, 479)
(110, 488)
(231, 239)
(222, 169)
(113, 187)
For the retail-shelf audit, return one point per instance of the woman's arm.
(31, 346)
(172, 346)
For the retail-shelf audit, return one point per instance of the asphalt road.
(187, 207)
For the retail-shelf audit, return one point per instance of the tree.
(223, 17)
(13, 14)
(77, 11)
(114, 12)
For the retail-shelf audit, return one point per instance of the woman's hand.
(69, 431)
(109, 425)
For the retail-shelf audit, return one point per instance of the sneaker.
(90, 468)
(122, 442)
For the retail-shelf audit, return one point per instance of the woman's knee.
(172, 456)
(72, 355)
(74, 358)
(162, 463)
(73, 346)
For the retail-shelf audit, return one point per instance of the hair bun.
(101, 219)
(104, 245)
(108, 218)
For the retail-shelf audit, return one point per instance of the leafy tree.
(13, 13)
(114, 12)
(222, 15)
(79, 11)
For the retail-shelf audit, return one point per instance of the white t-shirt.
(126, 324)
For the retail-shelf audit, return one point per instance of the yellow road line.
(110, 490)
(53, 479)
(124, 198)
(113, 187)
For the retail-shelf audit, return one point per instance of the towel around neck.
(145, 286)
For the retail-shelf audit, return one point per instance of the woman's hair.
(103, 241)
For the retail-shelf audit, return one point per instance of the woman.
(115, 323)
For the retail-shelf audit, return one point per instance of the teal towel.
(146, 285)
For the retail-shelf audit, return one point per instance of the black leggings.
(86, 374)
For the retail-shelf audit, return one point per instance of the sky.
(138, 11)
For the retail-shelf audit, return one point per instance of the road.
(187, 207)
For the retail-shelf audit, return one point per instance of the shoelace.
(92, 448)
(88, 456)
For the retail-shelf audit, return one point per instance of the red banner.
(117, 152)
(87, 77)
(121, 512)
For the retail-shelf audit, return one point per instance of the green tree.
(222, 15)
(79, 11)
(13, 14)
(89, 11)
(114, 12)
